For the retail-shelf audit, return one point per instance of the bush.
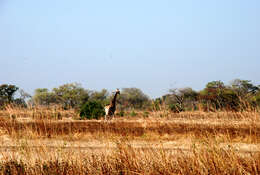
(92, 110)
(133, 113)
(145, 114)
(121, 113)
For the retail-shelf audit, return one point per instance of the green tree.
(7, 93)
(181, 99)
(246, 92)
(42, 96)
(244, 88)
(257, 98)
(212, 94)
(133, 98)
(218, 96)
(102, 96)
(215, 85)
(71, 95)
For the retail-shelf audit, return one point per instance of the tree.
(71, 95)
(211, 95)
(101, 96)
(246, 92)
(24, 95)
(133, 97)
(68, 95)
(257, 98)
(7, 93)
(215, 85)
(42, 96)
(244, 88)
(218, 96)
(21, 101)
(181, 99)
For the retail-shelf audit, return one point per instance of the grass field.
(53, 141)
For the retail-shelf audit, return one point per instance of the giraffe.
(110, 109)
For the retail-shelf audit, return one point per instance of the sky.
(148, 44)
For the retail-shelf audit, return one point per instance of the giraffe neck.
(113, 101)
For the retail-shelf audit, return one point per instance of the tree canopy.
(133, 97)
(237, 95)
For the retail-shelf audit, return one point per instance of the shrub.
(121, 113)
(145, 114)
(92, 110)
(133, 113)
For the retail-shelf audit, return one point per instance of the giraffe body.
(110, 109)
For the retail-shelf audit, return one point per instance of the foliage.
(243, 87)
(71, 95)
(256, 99)
(213, 94)
(180, 99)
(67, 95)
(7, 93)
(92, 110)
(235, 97)
(42, 96)
(145, 114)
(121, 113)
(133, 113)
(133, 98)
(101, 96)
(240, 95)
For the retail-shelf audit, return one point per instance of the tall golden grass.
(124, 159)
(210, 140)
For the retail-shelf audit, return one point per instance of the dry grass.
(205, 158)
(240, 126)
(53, 141)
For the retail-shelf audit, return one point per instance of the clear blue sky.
(149, 44)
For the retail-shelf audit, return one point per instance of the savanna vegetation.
(212, 131)
(239, 95)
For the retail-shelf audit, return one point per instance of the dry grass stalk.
(211, 138)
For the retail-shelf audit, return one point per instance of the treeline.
(71, 95)
(236, 96)
(239, 95)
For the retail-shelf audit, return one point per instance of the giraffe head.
(118, 91)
